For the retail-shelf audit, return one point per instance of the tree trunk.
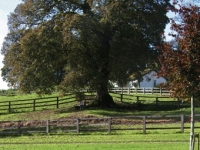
(192, 138)
(103, 97)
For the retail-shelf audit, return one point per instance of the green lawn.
(98, 142)
(94, 146)
(68, 110)
(128, 140)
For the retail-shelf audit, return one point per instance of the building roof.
(145, 72)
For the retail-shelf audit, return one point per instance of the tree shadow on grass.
(122, 109)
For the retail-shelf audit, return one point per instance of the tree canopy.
(181, 64)
(74, 44)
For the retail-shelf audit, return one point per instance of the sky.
(6, 7)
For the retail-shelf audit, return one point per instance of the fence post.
(198, 142)
(109, 125)
(57, 102)
(156, 101)
(129, 91)
(9, 106)
(19, 127)
(144, 124)
(160, 91)
(137, 99)
(178, 102)
(34, 105)
(121, 97)
(196, 136)
(47, 126)
(182, 123)
(77, 125)
(143, 90)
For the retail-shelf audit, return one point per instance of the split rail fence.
(156, 101)
(33, 104)
(12, 106)
(178, 123)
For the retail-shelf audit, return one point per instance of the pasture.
(117, 140)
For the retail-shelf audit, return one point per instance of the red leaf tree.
(181, 65)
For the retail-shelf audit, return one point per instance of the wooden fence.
(40, 103)
(11, 106)
(14, 105)
(10, 92)
(109, 124)
(153, 100)
(125, 90)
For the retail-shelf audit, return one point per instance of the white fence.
(160, 91)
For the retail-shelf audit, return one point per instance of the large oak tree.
(78, 44)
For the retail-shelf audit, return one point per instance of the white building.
(150, 80)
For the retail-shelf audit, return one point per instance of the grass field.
(97, 146)
(126, 140)
(156, 141)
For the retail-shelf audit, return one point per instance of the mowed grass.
(24, 96)
(68, 110)
(97, 146)
(122, 140)
(156, 141)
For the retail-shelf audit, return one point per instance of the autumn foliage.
(180, 64)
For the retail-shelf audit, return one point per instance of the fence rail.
(10, 92)
(157, 101)
(41, 103)
(56, 102)
(36, 103)
(161, 91)
(109, 124)
(125, 90)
